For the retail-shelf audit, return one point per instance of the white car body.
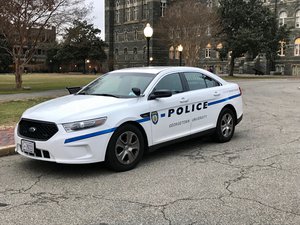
(162, 120)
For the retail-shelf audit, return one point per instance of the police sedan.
(124, 113)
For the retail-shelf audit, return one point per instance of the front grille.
(37, 130)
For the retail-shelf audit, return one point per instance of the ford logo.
(32, 129)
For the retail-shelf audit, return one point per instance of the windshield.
(118, 84)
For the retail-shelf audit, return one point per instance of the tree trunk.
(231, 65)
(18, 74)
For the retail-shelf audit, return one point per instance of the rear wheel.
(125, 148)
(225, 126)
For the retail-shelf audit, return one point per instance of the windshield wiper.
(109, 95)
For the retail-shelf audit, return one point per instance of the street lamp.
(180, 49)
(148, 32)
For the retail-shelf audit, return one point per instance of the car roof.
(158, 69)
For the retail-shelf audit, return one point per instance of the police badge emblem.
(154, 117)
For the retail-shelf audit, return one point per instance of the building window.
(297, 21)
(127, 16)
(117, 16)
(171, 33)
(135, 53)
(135, 13)
(125, 36)
(171, 52)
(116, 53)
(209, 4)
(145, 9)
(163, 7)
(297, 47)
(208, 31)
(125, 53)
(116, 36)
(208, 51)
(282, 48)
(282, 18)
(135, 34)
(219, 47)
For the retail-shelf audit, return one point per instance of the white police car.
(120, 115)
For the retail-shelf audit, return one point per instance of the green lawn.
(43, 82)
(10, 112)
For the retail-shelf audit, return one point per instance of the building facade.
(125, 21)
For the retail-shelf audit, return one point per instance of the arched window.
(126, 36)
(297, 47)
(208, 51)
(282, 18)
(163, 7)
(297, 21)
(171, 52)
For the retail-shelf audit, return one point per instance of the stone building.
(126, 19)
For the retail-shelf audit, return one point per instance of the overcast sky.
(98, 14)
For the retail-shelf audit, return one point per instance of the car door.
(168, 118)
(203, 91)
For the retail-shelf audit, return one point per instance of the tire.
(125, 148)
(225, 126)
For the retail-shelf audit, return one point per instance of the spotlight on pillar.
(148, 32)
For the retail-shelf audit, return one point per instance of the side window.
(195, 81)
(198, 81)
(210, 82)
(170, 82)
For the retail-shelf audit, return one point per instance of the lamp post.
(148, 32)
(180, 49)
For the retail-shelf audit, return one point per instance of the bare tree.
(23, 22)
(190, 24)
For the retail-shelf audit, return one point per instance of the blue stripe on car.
(223, 100)
(146, 119)
(86, 136)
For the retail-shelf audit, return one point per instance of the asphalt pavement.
(253, 179)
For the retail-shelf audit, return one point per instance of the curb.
(7, 150)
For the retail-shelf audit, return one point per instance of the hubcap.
(227, 125)
(127, 147)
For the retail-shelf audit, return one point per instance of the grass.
(43, 82)
(10, 112)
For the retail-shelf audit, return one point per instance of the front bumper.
(57, 149)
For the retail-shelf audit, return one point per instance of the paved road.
(254, 179)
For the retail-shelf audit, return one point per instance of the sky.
(98, 15)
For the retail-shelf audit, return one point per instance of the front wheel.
(225, 126)
(125, 148)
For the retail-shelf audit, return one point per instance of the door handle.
(217, 94)
(184, 100)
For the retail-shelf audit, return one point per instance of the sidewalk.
(44, 94)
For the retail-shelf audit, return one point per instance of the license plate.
(28, 146)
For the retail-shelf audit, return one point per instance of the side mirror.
(160, 94)
(136, 91)
(73, 90)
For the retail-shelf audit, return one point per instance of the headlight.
(80, 125)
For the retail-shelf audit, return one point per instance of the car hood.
(75, 108)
